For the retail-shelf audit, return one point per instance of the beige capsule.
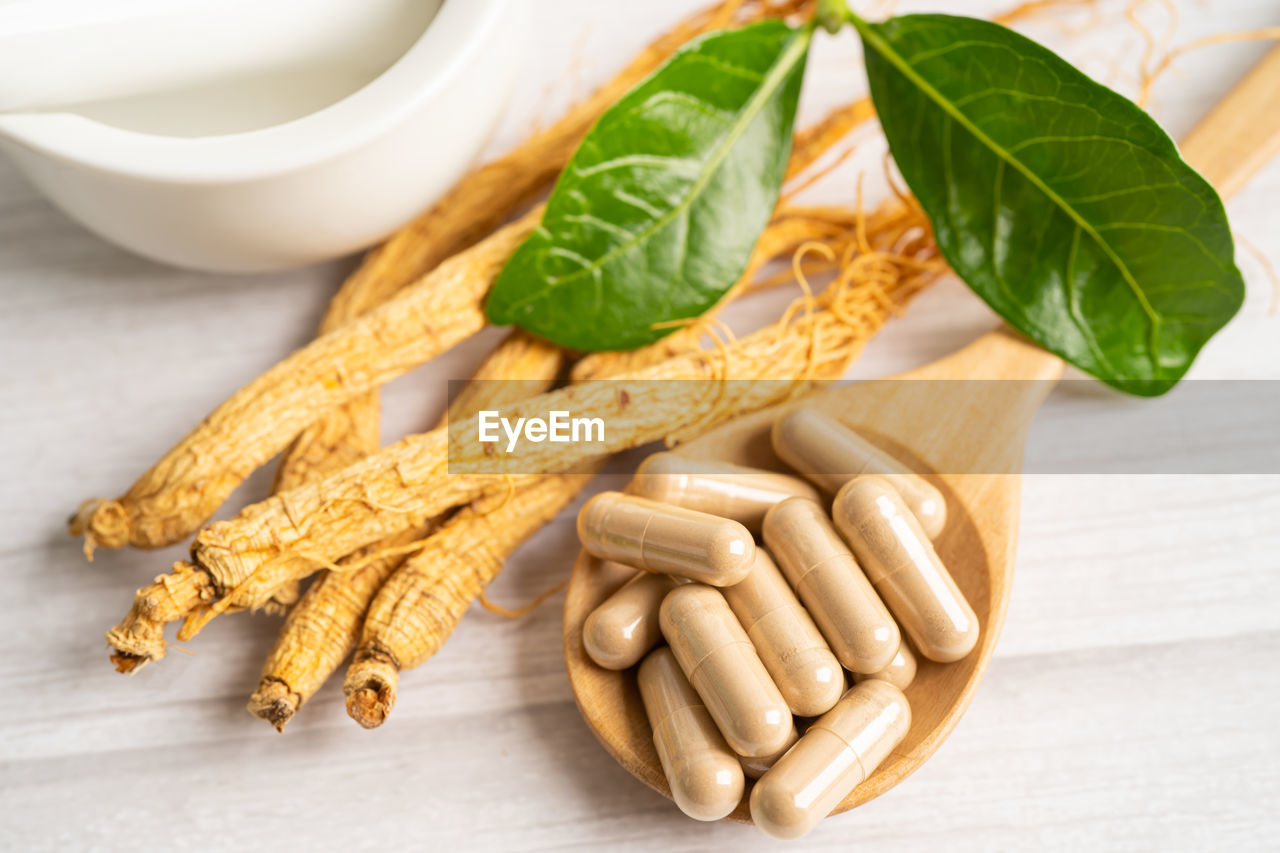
(720, 488)
(705, 776)
(900, 673)
(900, 560)
(831, 454)
(723, 667)
(833, 757)
(838, 596)
(670, 540)
(757, 767)
(789, 644)
(619, 632)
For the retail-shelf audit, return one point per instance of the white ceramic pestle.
(56, 54)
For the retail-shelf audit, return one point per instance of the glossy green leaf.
(1061, 203)
(658, 211)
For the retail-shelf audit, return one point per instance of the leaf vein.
(772, 82)
(681, 165)
(886, 50)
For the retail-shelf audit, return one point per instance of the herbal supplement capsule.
(837, 595)
(899, 559)
(723, 667)
(788, 643)
(625, 626)
(705, 777)
(833, 757)
(900, 673)
(830, 454)
(757, 767)
(670, 540)
(720, 488)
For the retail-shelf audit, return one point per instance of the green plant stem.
(859, 23)
(831, 15)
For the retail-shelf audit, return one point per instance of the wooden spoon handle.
(1242, 132)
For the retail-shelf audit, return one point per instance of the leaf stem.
(831, 15)
(859, 23)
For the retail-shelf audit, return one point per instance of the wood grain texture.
(1242, 134)
(1130, 703)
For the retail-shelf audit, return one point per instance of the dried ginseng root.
(185, 487)
(139, 637)
(305, 655)
(436, 311)
(419, 606)
(169, 598)
(293, 534)
(186, 593)
(322, 629)
(324, 626)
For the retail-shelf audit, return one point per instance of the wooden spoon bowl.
(934, 426)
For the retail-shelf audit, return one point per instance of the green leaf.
(657, 213)
(1061, 203)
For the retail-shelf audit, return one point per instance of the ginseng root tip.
(102, 523)
(274, 702)
(128, 663)
(371, 691)
(369, 707)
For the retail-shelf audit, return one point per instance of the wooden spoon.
(984, 430)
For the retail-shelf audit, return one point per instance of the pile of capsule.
(756, 650)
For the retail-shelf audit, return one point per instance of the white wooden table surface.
(1131, 704)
